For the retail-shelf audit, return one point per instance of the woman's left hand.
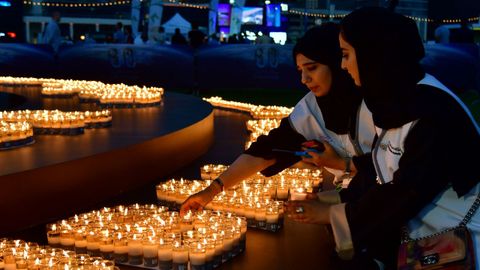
(308, 211)
(328, 158)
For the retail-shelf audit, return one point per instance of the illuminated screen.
(279, 37)
(5, 4)
(223, 14)
(273, 15)
(252, 15)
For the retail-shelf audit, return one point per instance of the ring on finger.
(299, 210)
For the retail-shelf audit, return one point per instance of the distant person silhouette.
(196, 37)
(178, 38)
(52, 34)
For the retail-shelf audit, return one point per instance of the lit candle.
(106, 246)
(67, 240)
(298, 194)
(272, 218)
(120, 249)
(165, 255)
(150, 252)
(53, 237)
(180, 256)
(93, 244)
(135, 249)
(197, 257)
(80, 242)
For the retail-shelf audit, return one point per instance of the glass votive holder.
(217, 259)
(197, 256)
(165, 256)
(135, 249)
(150, 252)
(180, 256)
(67, 240)
(120, 250)
(250, 215)
(272, 218)
(21, 263)
(260, 216)
(227, 246)
(53, 238)
(80, 242)
(210, 255)
(93, 244)
(106, 248)
(298, 194)
(9, 261)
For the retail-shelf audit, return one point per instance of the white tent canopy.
(177, 21)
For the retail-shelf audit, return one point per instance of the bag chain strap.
(471, 212)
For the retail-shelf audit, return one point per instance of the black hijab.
(388, 48)
(339, 107)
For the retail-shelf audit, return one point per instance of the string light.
(418, 19)
(59, 4)
(112, 3)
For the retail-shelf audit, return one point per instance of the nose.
(305, 78)
(344, 64)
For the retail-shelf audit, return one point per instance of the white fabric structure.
(177, 21)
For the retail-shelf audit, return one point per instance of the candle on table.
(165, 255)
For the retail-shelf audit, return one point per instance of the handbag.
(450, 249)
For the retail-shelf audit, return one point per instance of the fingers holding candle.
(309, 211)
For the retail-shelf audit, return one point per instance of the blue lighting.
(5, 4)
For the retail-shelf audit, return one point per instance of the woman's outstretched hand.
(197, 201)
(328, 158)
(308, 211)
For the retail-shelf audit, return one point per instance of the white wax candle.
(106, 248)
(180, 256)
(297, 195)
(260, 214)
(250, 213)
(165, 253)
(150, 250)
(197, 258)
(93, 245)
(272, 217)
(135, 248)
(282, 193)
(120, 249)
(67, 241)
(81, 243)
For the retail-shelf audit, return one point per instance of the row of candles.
(256, 111)
(259, 199)
(21, 255)
(19, 126)
(91, 90)
(152, 236)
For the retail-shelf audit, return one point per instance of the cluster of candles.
(56, 120)
(124, 94)
(259, 199)
(19, 81)
(14, 132)
(256, 111)
(91, 90)
(260, 127)
(152, 236)
(21, 255)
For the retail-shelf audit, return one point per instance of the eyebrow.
(308, 64)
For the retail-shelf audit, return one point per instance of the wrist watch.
(219, 182)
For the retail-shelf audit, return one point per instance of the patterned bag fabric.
(450, 249)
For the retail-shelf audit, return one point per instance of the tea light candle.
(67, 240)
(120, 249)
(165, 255)
(180, 256)
(80, 242)
(53, 237)
(282, 193)
(9, 262)
(298, 194)
(197, 256)
(106, 247)
(150, 252)
(135, 249)
(93, 244)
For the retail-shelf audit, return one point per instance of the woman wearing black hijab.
(332, 112)
(426, 151)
